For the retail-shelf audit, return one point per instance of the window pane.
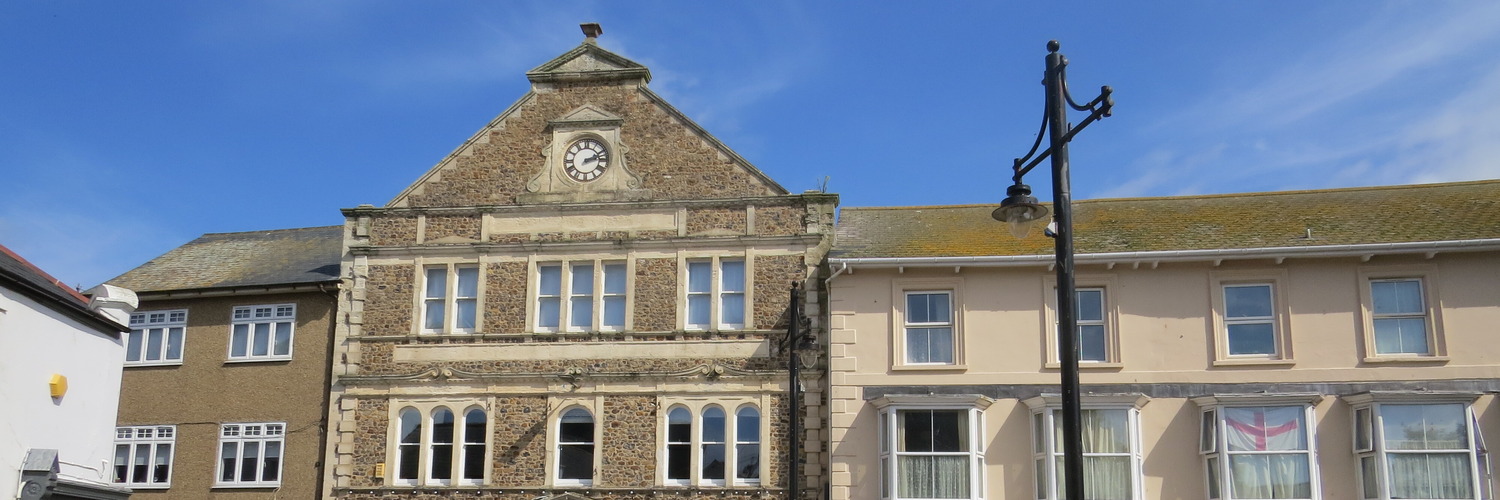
(679, 463)
(747, 461)
(174, 343)
(434, 315)
(1091, 343)
(1090, 305)
(437, 282)
(932, 476)
(466, 313)
(261, 341)
(153, 344)
(582, 312)
(473, 461)
(713, 425)
(1369, 474)
(162, 464)
(1269, 428)
(549, 280)
(239, 340)
(713, 461)
(747, 426)
(575, 461)
(468, 282)
(733, 309)
(917, 346)
(698, 309)
(1252, 301)
(928, 308)
(614, 278)
(1106, 478)
(122, 463)
(583, 279)
(577, 426)
(1252, 338)
(940, 341)
(679, 426)
(474, 422)
(141, 465)
(1105, 431)
(1401, 336)
(700, 277)
(1424, 427)
(411, 426)
(1430, 475)
(1212, 464)
(133, 345)
(249, 458)
(548, 311)
(283, 345)
(271, 467)
(442, 426)
(614, 312)
(1269, 476)
(1397, 297)
(733, 273)
(227, 454)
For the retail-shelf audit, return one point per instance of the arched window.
(440, 458)
(679, 446)
(747, 445)
(409, 431)
(712, 442)
(575, 447)
(473, 449)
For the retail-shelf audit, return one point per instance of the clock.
(586, 160)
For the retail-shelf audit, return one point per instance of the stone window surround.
(533, 289)
(425, 409)
(251, 321)
(166, 327)
(419, 295)
(899, 289)
(1048, 407)
(695, 407)
(1212, 448)
(559, 405)
(1280, 308)
(1110, 285)
(154, 442)
(715, 260)
(1427, 275)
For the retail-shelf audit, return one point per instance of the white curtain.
(1430, 475)
(1106, 460)
(933, 476)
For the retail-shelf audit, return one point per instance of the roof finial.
(591, 31)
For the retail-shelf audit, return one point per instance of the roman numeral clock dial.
(586, 160)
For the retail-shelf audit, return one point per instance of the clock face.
(586, 159)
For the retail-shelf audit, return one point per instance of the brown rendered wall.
(206, 391)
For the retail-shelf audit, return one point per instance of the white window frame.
(554, 440)
(451, 298)
(695, 409)
(1111, 322)
(1046, 417)
(1280, 319)
(153, 437)
(143, 324)
(426, 444)
(598, 298)
(720, 291)
(1215, 452)
(258, 434)
(907, 325)
(1427, 278)
(1369, 438)
(271, 315)
(891, 406)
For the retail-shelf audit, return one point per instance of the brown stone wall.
(520, 442)
(629, 454)
(673, 161)
(505, 298)
(470, 493)
(777, 221)
(377, 361)
(655, 295)
(443, 226)
(388, 300)
(715, 220)
(387, 230)
(371, 422)
(774, 275)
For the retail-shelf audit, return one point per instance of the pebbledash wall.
(531, 321)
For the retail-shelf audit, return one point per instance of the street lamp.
(804, 354)
(1021, 210)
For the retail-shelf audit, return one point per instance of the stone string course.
(377, 361)
(672, 160)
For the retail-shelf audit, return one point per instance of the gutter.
(1363, 251)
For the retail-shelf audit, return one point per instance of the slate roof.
(18, 274)
(1374, 215)
(256, 258)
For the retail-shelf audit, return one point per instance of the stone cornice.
(575, 375)
(528, 247)
(601, 207)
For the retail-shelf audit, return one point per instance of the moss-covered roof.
(1391, 214)
(228, 260)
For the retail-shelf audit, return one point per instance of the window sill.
(1254, 362)
(1089, 365)
(221, 486)
(139, 364)
(258, 360)
(147, 486)
(929, 368)
(1406, 359)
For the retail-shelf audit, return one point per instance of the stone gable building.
(587, 299)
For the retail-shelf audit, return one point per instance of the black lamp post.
(803, 354)
(1021, 210)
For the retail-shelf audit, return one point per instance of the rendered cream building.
(1334, 344)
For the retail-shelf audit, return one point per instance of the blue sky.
(129, 128)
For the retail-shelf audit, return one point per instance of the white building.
(59, 384)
